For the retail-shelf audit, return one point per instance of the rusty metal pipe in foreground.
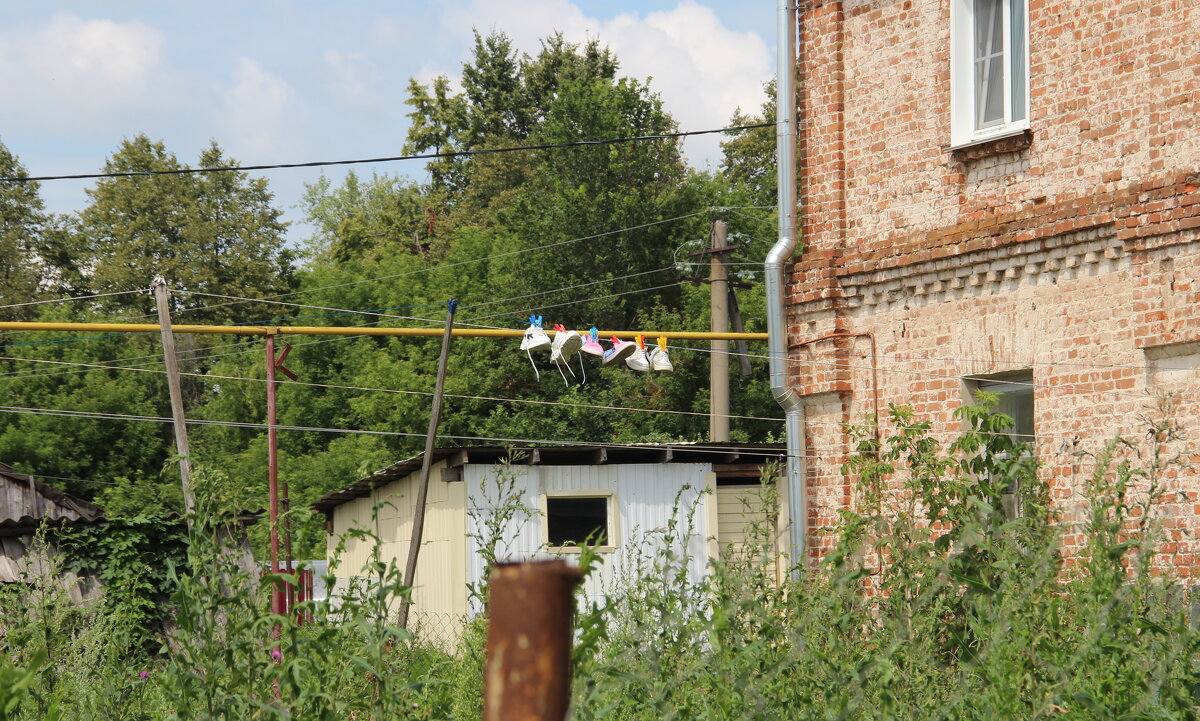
(527, 674)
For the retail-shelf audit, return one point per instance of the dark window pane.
(570, 521)
(1016, 57)
(1016, 402)
(989, 63)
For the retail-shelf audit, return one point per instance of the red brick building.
(999, 192)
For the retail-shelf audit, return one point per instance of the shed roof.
(716, 453)
(25, 502)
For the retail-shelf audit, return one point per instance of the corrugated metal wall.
(440, 597)
(648, 497)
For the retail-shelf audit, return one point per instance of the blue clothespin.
(595, 334)
(535, 320)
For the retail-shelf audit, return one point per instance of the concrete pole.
(181, 438)
(718, 368)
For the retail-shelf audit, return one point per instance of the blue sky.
(280, 81)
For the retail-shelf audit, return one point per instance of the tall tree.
(212, 233)
(22, 222)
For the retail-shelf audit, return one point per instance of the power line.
(93, 415)
(68, 300)
(387, 159)
(1041, 436)
(335, 386)
(455, 264)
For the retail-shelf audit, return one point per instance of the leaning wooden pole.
(435, 415)
(181, 438)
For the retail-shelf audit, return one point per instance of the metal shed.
(623, 496)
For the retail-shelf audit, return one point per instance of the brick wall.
(1072, 251)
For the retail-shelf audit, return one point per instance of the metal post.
(273, 474)
(435, 415)
(718, 359)
(181, 439)
(527, 672)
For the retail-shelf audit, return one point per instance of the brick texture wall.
(1072, 251)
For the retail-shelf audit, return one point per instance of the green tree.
(212, 233)
(22, 223)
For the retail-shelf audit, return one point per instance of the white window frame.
(964, 130)
(995, 383)
(611, 531)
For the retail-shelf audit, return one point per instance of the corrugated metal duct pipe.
(778, 259)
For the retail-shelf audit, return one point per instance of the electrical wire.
(683, 446)
(576, 302)
(215, 377)
(68, 300)
(454, 264)
(387, 159)
(566, 288)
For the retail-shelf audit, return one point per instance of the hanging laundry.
(638, 360)
(591, 343)
(659, 360)
(620, 350)
(535, 339)
(566, 344)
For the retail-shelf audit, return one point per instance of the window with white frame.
(989, 70)
(1015, 399)
(573, 518)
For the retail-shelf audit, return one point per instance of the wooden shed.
(26, 504)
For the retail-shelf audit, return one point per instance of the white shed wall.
(648, 497)
(440, 593)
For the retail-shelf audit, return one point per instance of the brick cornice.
(1154, 209)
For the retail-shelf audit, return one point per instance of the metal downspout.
(777, 260)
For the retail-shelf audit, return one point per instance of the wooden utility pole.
(735, 317)
(718, 368)
(181, 438)
(435, 415)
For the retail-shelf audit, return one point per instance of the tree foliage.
(594, 235)
(23, 221)
(210, 233)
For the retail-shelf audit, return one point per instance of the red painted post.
(273, 474)
(527, 674)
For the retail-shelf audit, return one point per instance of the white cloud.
(69, 67)
(259, 115)
(702, 69)
(355, 77)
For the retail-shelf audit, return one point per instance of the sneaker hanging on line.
(620, 350)
(591, 344)
(659, 360)
(566, 344)
(638, 360)
(535, 339)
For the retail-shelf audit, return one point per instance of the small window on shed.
(574, 520)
